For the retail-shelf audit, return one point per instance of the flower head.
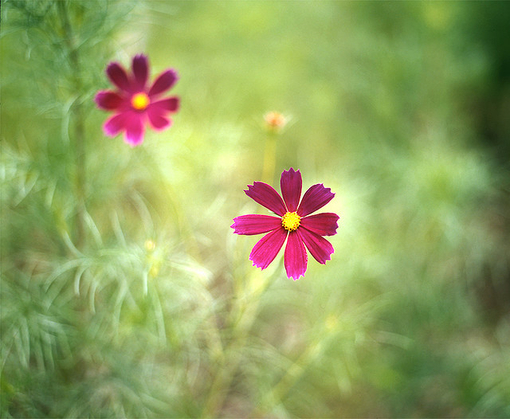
(275, 120)
(136, 103)
(293, 223)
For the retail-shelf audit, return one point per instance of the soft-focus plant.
(155, 310)
(82, 299)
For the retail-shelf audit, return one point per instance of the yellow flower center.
(290, 221)
(140, 101)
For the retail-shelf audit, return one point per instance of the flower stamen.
(140, 101)
(290, 221)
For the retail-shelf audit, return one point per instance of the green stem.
(223, 378)
(269, 157)
(242, 316)
(183, 223)
(79, 124)
(283, 386)
(188, 238)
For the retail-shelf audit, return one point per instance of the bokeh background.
(401, 108)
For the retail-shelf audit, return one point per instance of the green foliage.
(124, 292)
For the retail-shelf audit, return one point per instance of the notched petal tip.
(141, 56)
(291, 170)
(113, 66)
(258, 264)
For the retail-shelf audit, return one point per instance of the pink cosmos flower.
(135, 102)
(293, 223)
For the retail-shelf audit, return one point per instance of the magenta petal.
(267, 196)
(108, 100)
(134, 130)
(267, 248)
(115, 124)
(140, 68)
(290, 184)
(323, 224)
(318, 246)
(118, 76)
(255, 224)
(157, 119)
(314, 198)
(166, 105)
(164, 82)
(295, 258)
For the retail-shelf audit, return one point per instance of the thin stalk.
(79, 124)
(284, 385)
(269, 157)
(242, 317)
(225, 373)
(183, 223)
(185, 230)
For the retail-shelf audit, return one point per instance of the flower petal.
(267, 248)
(318, 246)
(115, 124)
(290, 184)
(255, 224)
(140, 68)
(118, 76)
(314, 198)
(134, 129)
(108, 100)
(157, 119)
(266, 196)
(323, 224)
(170, 104)
(164, 82)
(295, 258)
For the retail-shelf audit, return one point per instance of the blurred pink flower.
(134, 103)
(293, 223)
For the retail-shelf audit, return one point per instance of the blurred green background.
(401, 108)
